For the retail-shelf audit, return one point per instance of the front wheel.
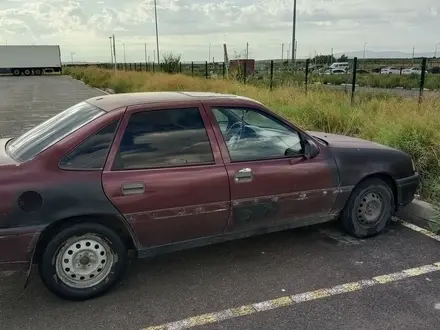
(83, 261)
(368, 209)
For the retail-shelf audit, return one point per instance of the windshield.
(36, 140)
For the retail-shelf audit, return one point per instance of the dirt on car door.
(166, 176)
(267, 187)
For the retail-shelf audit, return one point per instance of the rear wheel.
(83, 261)
(27, 72)
(16, 72)
(38, 72)
(369, 208)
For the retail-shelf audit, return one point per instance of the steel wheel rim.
(85, 261)
(370, 209)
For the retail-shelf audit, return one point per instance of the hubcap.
(84, 261)
(370, 209)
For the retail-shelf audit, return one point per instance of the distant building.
(240, 64)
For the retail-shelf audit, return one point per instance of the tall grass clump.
(394, 121)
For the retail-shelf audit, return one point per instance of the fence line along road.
(273, 74)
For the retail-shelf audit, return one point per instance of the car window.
(164, 138)
(42, 136)
(253, 135)
(91, 153)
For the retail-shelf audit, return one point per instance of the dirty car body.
(174, 170)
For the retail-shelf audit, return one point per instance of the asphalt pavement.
(238, 279)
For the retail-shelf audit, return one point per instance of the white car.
(413, 70)
(339, 65)
(335, 71)
(390, 70)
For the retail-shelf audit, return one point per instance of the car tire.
(369, 208)
(83, 261)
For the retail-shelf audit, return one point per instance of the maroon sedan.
(159, 172)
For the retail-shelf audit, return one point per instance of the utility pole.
(114, 53)
(294, 31)
(209, 51)
(154, 55)
(157, 32)
(111, 50)
(145, 53)
(247, 50)
(365, 47)
(414, 48)
(282, 52)
(71, 56)
(125, 62)
(436, 48)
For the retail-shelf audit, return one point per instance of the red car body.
(159, 210)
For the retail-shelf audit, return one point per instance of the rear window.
(42, 136)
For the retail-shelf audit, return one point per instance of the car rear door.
(268, 187)
(165, 175)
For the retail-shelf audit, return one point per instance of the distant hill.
(385, 54)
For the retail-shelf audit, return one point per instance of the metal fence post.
(206, 69)
(307, 74)
(192, 69)
(244, 71)
(353, 82)
(271, 74)
(422, 79)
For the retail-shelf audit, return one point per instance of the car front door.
(272, 182)
(165, 175)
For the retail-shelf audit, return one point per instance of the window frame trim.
(264, 113)
(109, 167)
(85, 169)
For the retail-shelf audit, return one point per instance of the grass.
(432, 81)
(393, 121)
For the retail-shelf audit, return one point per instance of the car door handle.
(133, 188)
(243, 175)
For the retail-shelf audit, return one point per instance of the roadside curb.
(418, 213)
(107, 91)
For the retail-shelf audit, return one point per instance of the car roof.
(114, 101)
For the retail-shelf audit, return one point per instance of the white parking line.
(421, 230)
(216, 317)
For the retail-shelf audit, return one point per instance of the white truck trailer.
(30, 59)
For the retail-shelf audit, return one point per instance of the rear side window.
(44, 135)
(164, 138)
(91, 153)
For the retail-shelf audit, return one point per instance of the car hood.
(342, 141)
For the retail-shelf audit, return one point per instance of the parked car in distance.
(378, 69)
(339, 65)
(435, 70)
(163, 171)
(413, 70)
(335, 71)
(390, 70)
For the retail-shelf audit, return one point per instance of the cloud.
(188, 27)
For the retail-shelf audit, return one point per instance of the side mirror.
(311, 150)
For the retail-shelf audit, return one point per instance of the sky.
(188, 27)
